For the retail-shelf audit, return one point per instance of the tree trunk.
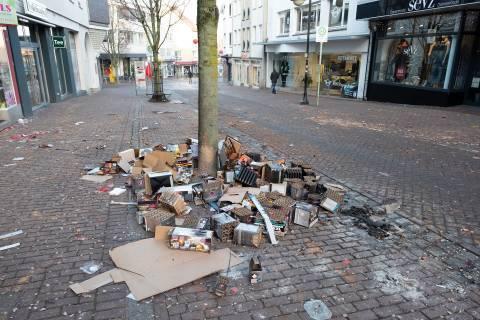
(158, 94)
(207, 20)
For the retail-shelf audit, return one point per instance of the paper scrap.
(117, 191)
(98, 179)
(11, 234)
(18, 159)
(10, 246)
(79, 123)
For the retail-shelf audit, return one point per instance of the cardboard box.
(127, 158)
(212, 190)
(154, 181)
(305, 214)
(248, 235)
(159, 160)
(174, 202)
(224, 226)
(256, 270)
(158, 217)
(190, 239)
(330, 205)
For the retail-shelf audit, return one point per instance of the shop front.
(9, 102)
(342, 72)
(424, 55)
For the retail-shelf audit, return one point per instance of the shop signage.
(8, 12)
(419, 5)
(347, 58)
(35, 8)
(322, 29)
(58, 41)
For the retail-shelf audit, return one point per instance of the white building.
(344, 59)
(241, 30)
(179, 52)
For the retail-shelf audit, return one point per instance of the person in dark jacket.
(274, 77)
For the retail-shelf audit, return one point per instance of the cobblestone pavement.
(428, 158)
(66, 223)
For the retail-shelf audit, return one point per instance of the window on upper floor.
(230, 9)
(285, 22)
(337, 20)
(339, 13)
(248, 13)
(230, 39)
(254, 34)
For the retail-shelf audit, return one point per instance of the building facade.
(345, 55)
(48, 54)
(424, 52)
(179, 52)
(241, 28)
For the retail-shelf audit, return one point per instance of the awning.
(27, 19)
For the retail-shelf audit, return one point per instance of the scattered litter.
(144, 128)
(131, 296)
(45, 146)
(24, 121)
(10, 164)
(11, 234)
(18, 159)
(105, 188)
(98, 179)
(164, 112)
(317, 310)
(393, 281)
(27, 137)
(91, 267)
(384, 174)
(117, 191)
(177, 102)
(122, 203)
(365, 219)
(10, 246)
(79, 123)
(101, 147)
(452, 286)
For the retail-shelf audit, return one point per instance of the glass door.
(473, 87)
(32, 73)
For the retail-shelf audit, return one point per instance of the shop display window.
(341, 74)
(417, 51)
(7, 88)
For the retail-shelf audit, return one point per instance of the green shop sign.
(8, 12)
(58, 41)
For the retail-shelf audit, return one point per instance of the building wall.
(242, 32)
(347, 40)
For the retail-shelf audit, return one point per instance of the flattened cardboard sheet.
(149, 267)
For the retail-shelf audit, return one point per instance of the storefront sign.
(8, 12)
(58, 41)
(419, 5)
(347, 58)
(322, 29)
(140, 75)
(35, 8)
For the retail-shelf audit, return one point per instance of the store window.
(285, 22)
(417, 51)
(7, 88)
(341, 74)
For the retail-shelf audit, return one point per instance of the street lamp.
(305, 84)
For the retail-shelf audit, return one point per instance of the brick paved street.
(377, 150)
(428, 158)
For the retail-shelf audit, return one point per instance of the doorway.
(31, 62)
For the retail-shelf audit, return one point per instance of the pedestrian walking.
(274, 77)
(190, 76)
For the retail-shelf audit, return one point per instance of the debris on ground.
(79, 123)
(392, 281)
(10, 234)
(18, 159)
(251, 200)
(91, 267)
(366, 218)
(317, 310)
(10, 246)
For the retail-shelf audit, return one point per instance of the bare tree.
(207, 21)
(114, 40)
(156, 18)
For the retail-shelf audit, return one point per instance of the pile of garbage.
(250, 199)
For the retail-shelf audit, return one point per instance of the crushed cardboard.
(149, 267)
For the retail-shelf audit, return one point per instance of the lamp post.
(305, 84)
